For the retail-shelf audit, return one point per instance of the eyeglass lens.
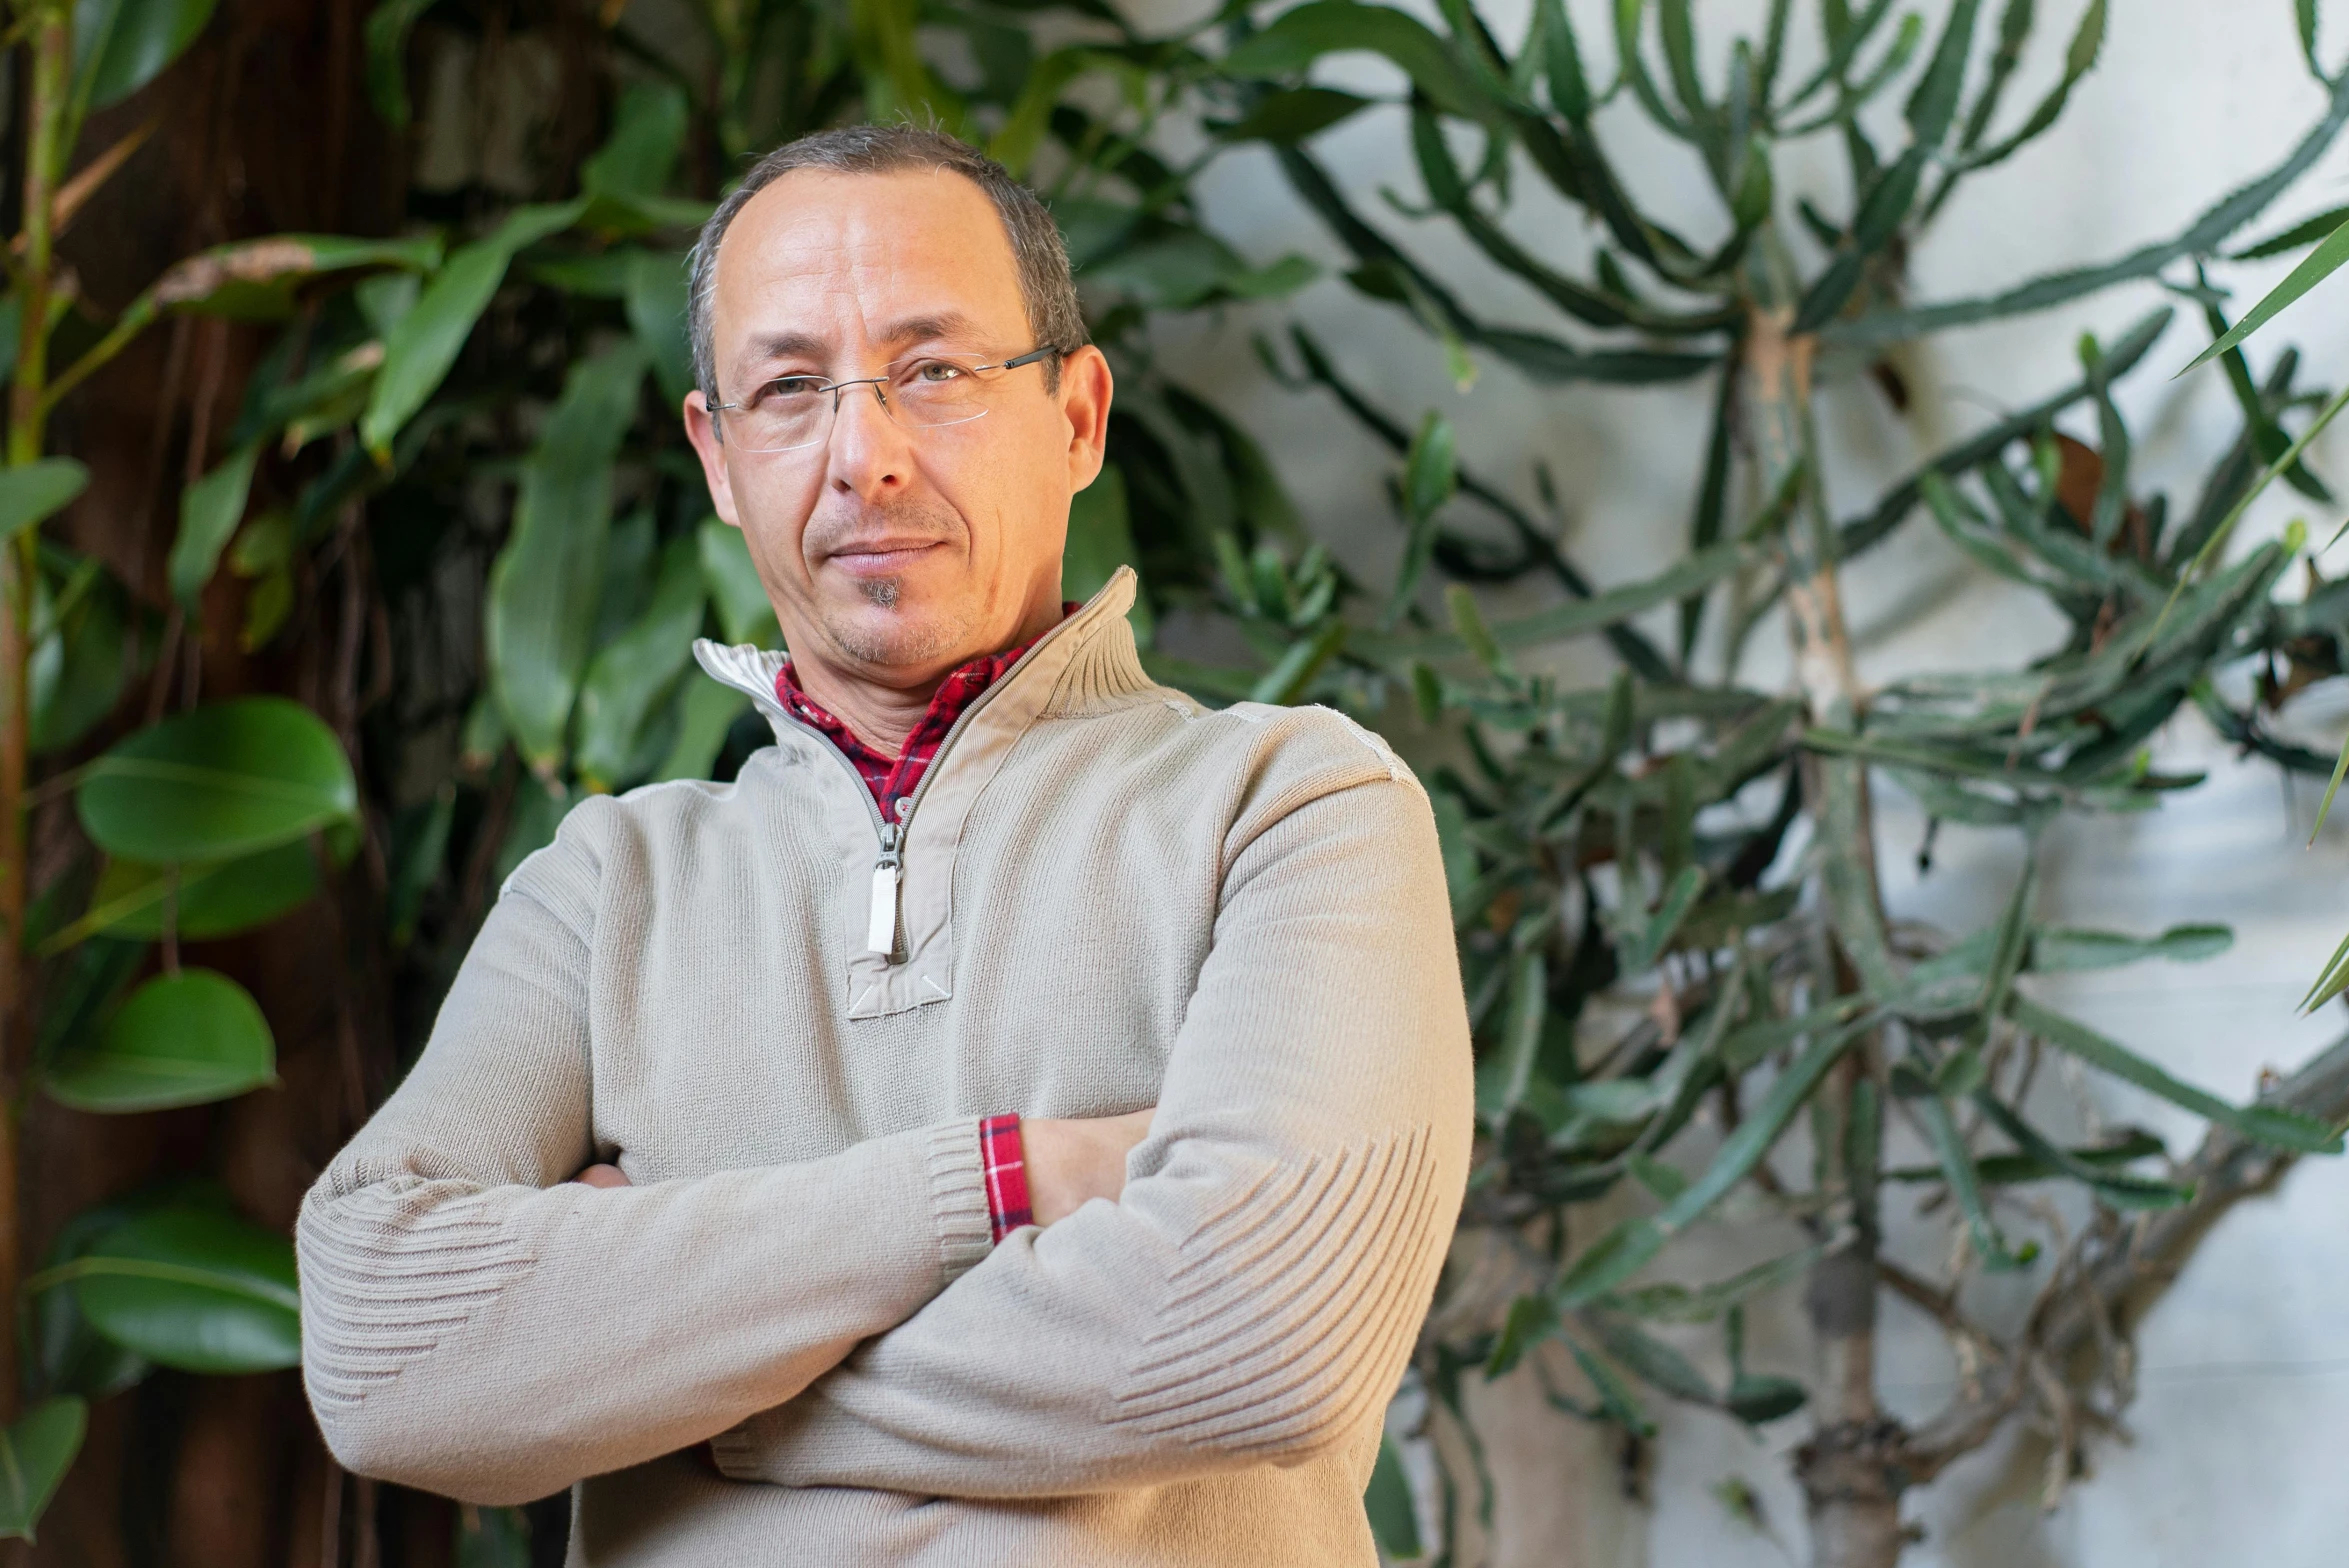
(792, 412)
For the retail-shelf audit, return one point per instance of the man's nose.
(869, 454)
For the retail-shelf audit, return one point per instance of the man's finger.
(602, 1176)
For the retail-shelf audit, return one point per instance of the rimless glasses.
(792, 413)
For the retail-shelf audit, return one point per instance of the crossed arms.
(479, 1326)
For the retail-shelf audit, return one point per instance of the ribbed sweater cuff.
(958, 1195)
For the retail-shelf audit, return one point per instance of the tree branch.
(2128, 1280)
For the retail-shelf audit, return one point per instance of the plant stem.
(1850, 1480)
(51, 42)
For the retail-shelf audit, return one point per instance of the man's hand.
(1071, 1161)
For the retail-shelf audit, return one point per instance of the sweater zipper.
(881, 917)
(889, 869)
(881, 924)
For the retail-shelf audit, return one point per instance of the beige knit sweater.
(1107, 898)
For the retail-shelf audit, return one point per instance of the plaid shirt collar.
(894, 779)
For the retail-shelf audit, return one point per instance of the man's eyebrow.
(767, 347)
(922, 329)
(783, 345)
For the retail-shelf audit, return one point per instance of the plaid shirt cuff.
(1003, 1157)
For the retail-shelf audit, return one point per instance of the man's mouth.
(872, 557)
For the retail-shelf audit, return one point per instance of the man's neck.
(878, 712)
(880, 716)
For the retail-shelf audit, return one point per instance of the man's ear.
(701, 428)
(1085, 388)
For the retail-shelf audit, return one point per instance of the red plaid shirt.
(893, 781)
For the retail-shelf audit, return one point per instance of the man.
(801, 1311)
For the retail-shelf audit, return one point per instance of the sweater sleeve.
(1253, 1295)
(474, 1324)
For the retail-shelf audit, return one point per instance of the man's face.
(892, 550)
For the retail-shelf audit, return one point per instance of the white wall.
(2242, 1414)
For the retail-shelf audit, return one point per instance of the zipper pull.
(881, 927)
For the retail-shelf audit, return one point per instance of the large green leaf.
(744, 613)
(209, 511)
(656, 314)
(648, 131)
(420, 349)
(538, 812)
(37, 490)
(122, 45)
(184, 1039)
(1190, 267)
(34, 1456)
(706, 711)
(388, 27)
(67, 1355)
(625, 177)
(1022, 132)
(1286, 118)
(214, 900)
(78, 664)
(200, 901)
(80, 994)
(420, 847)
(1286, 681)
(632, 673)
(1100, 540)
(195, 1289)
(1393, 1520)
(218, 783)
(255, 280)
(547, 581)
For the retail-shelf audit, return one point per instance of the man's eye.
(788, 387)
(935, 370)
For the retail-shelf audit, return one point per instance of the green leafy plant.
(1675, 940)
(458, 448)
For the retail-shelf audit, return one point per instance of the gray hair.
(1046, 288)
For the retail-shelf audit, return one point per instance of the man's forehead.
(910, 249)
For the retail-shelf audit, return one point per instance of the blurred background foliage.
(351, 538)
